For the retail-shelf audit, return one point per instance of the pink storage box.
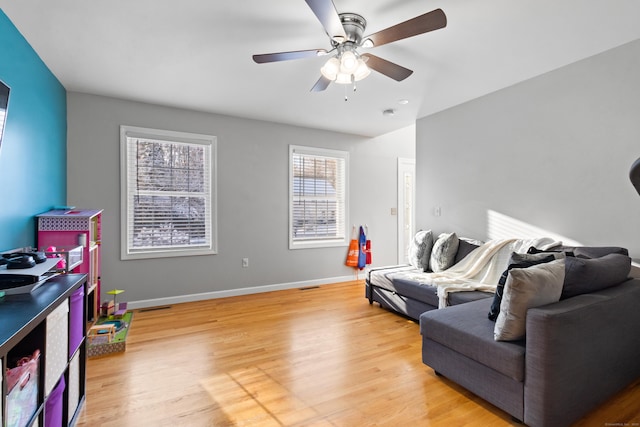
(22, 391)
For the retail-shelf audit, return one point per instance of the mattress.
(401, 279)
(394, 279)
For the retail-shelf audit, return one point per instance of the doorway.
(406, 206)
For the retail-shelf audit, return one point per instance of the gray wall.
(553, 152)
(252, 200)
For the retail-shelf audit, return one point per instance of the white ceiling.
(196, 54)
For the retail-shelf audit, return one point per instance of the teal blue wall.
(33, 154)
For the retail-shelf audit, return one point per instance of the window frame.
(343, 238)
(126, 206)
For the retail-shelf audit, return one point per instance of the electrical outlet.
(245, 262)
(437, 211)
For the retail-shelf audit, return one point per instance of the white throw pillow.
(526, 288)
(444, 251)
(420, 249)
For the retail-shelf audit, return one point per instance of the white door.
(406, 206)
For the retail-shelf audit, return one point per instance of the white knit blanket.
(481, 269)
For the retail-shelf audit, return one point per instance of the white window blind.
(168, 197)
(317, 197)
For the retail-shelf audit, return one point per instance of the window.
(168, 193)
(317, 197)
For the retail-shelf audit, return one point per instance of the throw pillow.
(465, 247)
(598, 251)
(527, 288)
(444, 252)
(559, 249)
(583, 275)
(420, 249)
(517, 260)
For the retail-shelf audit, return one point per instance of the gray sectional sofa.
(578, 352)
(572, 354)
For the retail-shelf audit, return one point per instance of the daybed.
(564, 337)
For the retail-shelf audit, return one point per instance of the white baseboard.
(234, 292)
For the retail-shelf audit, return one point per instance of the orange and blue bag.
(354, 250)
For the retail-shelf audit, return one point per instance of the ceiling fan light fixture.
(334, 71)
(346, 67)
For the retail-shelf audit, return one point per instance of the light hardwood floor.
(316, 357)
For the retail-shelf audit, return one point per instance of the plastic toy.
(121, 308)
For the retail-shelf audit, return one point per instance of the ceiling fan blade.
(285, 56)
(321, 84)
(327, 14)
(430, 21)
(388, 68)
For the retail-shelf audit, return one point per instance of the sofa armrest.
(579, 352)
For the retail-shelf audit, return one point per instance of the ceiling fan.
(345, 31)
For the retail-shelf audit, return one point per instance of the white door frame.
(406, 205)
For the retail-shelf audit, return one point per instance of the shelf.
(26, 322)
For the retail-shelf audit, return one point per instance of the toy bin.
(22, 391)
(57, 345)
(76, 319)
(53, 406)
(74, 385)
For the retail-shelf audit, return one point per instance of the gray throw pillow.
(465, 247)
(444, 252)
(527, 288)
(420, 249)
(518, 260)
(585, 275)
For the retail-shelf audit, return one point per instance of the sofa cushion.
(585, 275)
(444, 252)
(518, 260)
(465, 329)
(464, 297)
(526, 288)
(420, 249)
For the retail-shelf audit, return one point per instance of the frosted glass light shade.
(343, 79)
(362, 71)
(331, 68)
(348, 62)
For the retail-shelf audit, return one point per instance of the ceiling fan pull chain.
(346, 97)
